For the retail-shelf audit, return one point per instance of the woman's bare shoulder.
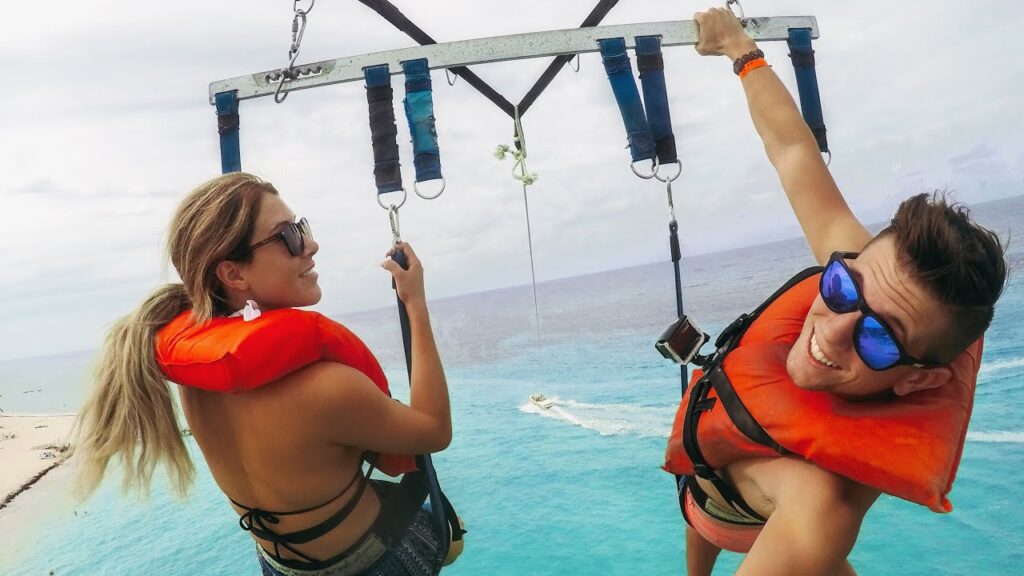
(329, 386)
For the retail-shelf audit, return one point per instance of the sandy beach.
(29, 446)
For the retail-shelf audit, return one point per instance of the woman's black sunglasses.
(294, 236)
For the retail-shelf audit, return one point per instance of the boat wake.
(997, 436)
(656, 421)
(608, 419)
(1000, 366)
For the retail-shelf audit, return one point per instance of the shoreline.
(31, 446)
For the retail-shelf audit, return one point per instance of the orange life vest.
(231, 355)
(907, 446)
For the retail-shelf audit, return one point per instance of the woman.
(291, 445)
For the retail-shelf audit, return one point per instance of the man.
(915, 298)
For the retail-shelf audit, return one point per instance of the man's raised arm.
(828, 223)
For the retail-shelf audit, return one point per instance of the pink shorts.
(725, 535)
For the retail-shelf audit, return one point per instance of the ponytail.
(130, 414)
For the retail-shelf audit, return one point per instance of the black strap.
(383, 131)
(258, 522)
(699, 403)
(400, 502)
(556, 65)
(744, 421)
(738, 413)
(393, 15)
(423, 461)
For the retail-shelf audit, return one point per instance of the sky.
(106, 126)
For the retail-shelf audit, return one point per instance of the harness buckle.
(703, 470)
(732, 329)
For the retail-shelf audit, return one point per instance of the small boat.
(541, 401)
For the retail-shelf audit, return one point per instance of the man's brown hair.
(955, 259)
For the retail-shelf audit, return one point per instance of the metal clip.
(741, 16)
(671, 204)
(396, 236)
(298, 29)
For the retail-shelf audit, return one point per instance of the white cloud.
(106, 125)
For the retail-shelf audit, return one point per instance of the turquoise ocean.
(576, 489)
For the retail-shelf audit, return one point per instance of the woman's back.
(267, 450)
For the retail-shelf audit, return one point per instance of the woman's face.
(274, 278)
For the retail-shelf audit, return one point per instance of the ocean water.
(576, 489)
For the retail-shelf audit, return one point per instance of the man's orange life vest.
(231, 355)
(907, 446)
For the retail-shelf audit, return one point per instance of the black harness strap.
(446, 522)
(716, 378)
(699, 403)
(393, 15)
(738, 412)
(556, 65)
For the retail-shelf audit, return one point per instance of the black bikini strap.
(311, 508)
(256, 521)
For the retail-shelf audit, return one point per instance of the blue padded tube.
(387, 171)
(227, 127)
(620, 74)
(652, 79)
(419, 111)
(802, 55)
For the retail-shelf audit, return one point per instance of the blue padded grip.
(419, 112)
(620, 74)
(802, 55)
(652, 79)
(227, 127)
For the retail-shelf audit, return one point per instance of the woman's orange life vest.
(907, 446)
(231, 355)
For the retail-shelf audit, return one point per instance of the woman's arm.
(827, 221)
(353, 411)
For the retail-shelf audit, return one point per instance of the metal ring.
(392, 206)
(452, 77)
(829, 161)
(654, 169)
(679, 170)
(741, 16)
(416, 189)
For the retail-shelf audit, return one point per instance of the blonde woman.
(295, 445)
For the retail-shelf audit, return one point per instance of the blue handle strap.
(620, 74)
(419, 111)
(651, 66)
(227, 127)
(802, 55)
(383, 132)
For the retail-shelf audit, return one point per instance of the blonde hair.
(130, 413)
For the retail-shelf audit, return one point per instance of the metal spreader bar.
(496, 49)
